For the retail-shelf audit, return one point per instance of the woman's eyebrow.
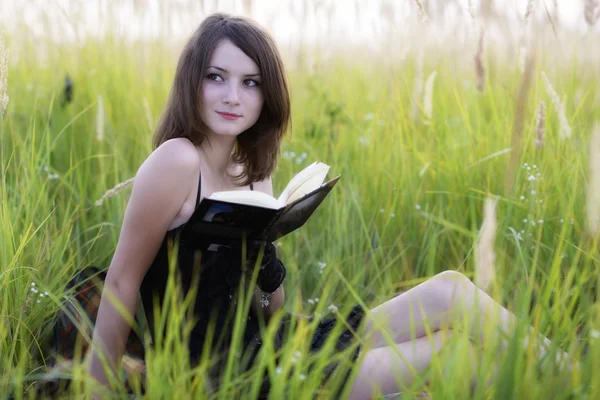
(224, 70)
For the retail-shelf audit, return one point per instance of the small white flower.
(382, 210)
(46, 293)
(278, 370)
(364, 140)
(418, 206)
(562, 220)
(522, 197)
(534, 166)
(525, 220)
(541, 201)
(531, 178)
(38, 302)
(321, 264)
(297, 354)
(332, 308)
(533, 192)
(302, 377)
(595, 334)
(32, 283)
(311, 301)
(528, 168)
(532, 223)
(52, 176)
(316, 299)
(541, 221)
(34, 290)
(525, 164)
(369, 116)
(41, 294)
(392, 215)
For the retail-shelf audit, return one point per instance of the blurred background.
(393, 26)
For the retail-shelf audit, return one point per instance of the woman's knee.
(449, 285)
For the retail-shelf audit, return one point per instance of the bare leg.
(437, 303)
(390, 370)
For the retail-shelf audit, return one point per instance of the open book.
(258, 216)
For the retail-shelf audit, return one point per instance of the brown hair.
(257, 148)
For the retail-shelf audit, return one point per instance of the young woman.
(222, 129)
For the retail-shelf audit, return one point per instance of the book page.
(250, 197)
(304, 182)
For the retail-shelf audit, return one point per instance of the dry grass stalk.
(479, 68)
(522, 58)
(485, 268)
(428, 95)
(422, 12)
(100, 120)
(3, 76)
(559, 106)
(593, 189)
(528, 11)
(515, 142)
(471, 10)
(540, 125)
(591, 12)
(116, 189)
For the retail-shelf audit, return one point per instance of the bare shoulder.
(178, 153)
(166, 175)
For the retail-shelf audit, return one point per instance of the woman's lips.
(229, 116)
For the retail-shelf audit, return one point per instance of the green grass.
(407, 207)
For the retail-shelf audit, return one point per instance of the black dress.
(216, 282)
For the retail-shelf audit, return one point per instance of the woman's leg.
(390, 370)
(447, 297)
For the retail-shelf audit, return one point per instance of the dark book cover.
(221, 221)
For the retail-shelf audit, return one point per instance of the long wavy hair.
(257, 148)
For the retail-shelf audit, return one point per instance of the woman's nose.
(231, 95)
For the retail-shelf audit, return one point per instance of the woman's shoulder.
(174, 161)
(179, 152)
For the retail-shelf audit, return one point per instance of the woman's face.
(232, 97)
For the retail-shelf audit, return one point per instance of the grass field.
(419, 148)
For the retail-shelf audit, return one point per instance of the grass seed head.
(485, 269)
(540, 125)
(559, 107)
(3, 76)
(116, 189)
(428, 95)
(593, 190)
(479, 68)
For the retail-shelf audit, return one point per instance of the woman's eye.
(214, 77)
(251, 82)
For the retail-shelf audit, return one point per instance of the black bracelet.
(271, 276)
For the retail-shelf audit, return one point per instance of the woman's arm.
(275, 303)
(161, 186)
(277, 298)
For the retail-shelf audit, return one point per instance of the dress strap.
(251, 186)
(199, 188)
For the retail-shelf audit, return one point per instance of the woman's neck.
(217, 153)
